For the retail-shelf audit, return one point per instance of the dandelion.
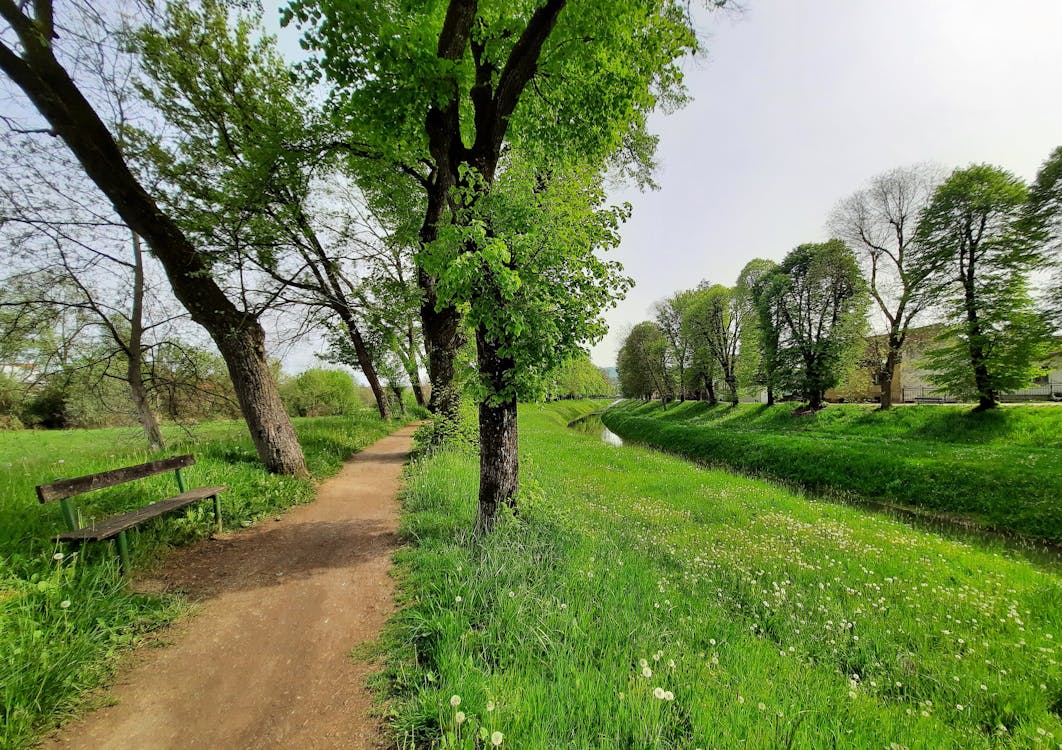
(458, 599)
(497, 739)
(621, 696)
(658, 693)
(668, 695)
(741, 699)
(671, 663)
(58, 556)
(643, 663)
(958, 707)
(490, 705)
(455, 700)
(646, 672)
(761, 706)
(65, 604)
(459, 717)
(512, 594)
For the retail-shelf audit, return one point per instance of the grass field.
(62, 621)
(641, 601)
(1000, 468)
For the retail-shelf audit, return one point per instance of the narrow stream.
(1040, 552)
(591, 424)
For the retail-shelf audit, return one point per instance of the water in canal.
(592, 425)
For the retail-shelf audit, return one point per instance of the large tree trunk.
(238, 336)
(709, 387)
(499, 461)
(770, 395)
(135, 355)
(267, 419)
(441, 327)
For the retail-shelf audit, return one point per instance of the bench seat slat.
(108, 527)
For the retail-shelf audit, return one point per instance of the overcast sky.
(798, 102)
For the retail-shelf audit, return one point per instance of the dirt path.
(266, 662)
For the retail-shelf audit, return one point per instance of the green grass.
(51, 653)
(773, 619)
(1001, 469)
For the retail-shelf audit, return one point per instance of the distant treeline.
(911, 245)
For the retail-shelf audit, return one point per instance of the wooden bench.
(116, 526)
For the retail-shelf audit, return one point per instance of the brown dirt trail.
(266, 661)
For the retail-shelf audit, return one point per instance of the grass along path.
(1001, 469)
(640, 601)
(63, 621)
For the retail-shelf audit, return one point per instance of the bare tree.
(879, 223)
(28, 56)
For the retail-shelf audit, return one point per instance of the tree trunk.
(397, 391)
(731, 383)
(135, 355)
(709, 387)
(986, 395)
(886, 389)
(412, 365)
(442, 339)
(365, 363)
(770, 395)
(238, 336)
(256, 390)
(499, 461)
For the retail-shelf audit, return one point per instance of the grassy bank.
(765, 619)
(1001, 468)
(63, 620)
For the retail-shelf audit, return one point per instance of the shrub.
(320, 393)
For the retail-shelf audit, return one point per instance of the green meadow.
(1000, 468)
(66, 613)
(639, 600)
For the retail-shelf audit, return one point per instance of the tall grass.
(639, 601)
(1001, 468)
(64, 612)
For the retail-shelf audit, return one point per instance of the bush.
(321, 393)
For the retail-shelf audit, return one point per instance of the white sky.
(800, 101)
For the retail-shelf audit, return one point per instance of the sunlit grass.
(1000, 468)
(62, 621)
(765, 619)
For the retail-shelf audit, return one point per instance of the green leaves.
(982, 242)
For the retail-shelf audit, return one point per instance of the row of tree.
(961, 250)
(430, 177)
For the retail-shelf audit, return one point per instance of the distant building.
(911, 382)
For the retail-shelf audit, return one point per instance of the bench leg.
(123, 552)
(217, 513)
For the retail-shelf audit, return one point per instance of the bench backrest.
(65, 488)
